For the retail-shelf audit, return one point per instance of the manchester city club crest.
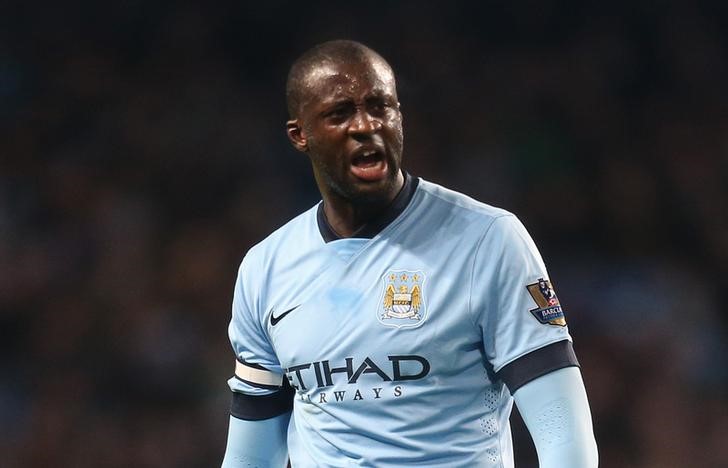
(403, 301)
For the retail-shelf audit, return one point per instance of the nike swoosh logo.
(274, 320)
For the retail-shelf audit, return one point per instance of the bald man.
(395, 322)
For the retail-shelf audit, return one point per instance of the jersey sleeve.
(516, 307)
(260, 390)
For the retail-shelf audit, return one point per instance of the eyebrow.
(336, 101)
(328, 106)
(376, 94)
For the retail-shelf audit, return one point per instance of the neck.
(346, 217)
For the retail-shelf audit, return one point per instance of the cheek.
(394, 127)
(325, 151)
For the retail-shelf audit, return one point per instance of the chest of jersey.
(375, 319)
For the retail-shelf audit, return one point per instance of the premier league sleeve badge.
(549, 309)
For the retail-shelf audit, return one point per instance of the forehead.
(329, 81)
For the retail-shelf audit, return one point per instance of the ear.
(296, 135)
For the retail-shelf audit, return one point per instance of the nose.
(363, 123)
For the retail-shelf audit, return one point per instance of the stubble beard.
(333, 180)
(363, 194)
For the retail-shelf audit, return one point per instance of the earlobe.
(296, 135)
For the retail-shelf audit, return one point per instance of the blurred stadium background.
(142, 152)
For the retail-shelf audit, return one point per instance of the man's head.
(345, 116)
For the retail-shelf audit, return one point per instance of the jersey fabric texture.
(399, 345)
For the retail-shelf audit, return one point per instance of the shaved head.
(316, 63)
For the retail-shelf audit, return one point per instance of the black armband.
(537, 363)
(257, 407)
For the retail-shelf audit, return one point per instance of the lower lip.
(371, 173)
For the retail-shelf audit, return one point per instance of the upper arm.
(526, 340)
(521, 319)
(257, 443)
(260, 390)
(261, 397)
(556, 411)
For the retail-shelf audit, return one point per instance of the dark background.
(142, 152)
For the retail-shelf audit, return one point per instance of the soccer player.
(395, 322)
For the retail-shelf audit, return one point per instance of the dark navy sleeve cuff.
(537, 363)
(257, 407)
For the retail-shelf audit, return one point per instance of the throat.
(349, 221)
(339, 219)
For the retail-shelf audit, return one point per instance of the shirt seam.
(464, 206)
(472, 268)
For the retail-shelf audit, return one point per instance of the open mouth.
(370, 165)
(367, 159)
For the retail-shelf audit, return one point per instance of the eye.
(380, 106)
(338, 113)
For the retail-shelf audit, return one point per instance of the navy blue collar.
(375, 226)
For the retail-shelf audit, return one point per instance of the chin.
(372, 192)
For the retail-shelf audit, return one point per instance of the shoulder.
(444, 203)
(294, 236)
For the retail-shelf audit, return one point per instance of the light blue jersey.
(398, 345)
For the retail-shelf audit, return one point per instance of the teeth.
(368, 153)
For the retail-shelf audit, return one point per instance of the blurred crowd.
(142, 152)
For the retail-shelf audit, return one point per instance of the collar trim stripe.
(375, 226)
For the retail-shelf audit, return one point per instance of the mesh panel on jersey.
(493, 455)
(491, 399)
(489, 426)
